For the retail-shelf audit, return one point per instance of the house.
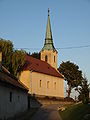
(13, 94)
(41, 76)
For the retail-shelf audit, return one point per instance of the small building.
(13, 94)
(41, 76)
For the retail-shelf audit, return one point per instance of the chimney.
(0, 59)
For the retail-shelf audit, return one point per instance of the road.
(47, 113)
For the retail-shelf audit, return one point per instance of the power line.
(71, 47)
(75, 47)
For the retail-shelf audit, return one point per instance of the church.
(41, 76)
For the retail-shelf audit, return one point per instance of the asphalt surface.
(49, 112)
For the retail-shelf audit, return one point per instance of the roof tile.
(39, 66)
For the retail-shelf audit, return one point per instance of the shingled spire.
(48, 52)
(48, 45)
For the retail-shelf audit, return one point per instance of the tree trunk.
(69, 90)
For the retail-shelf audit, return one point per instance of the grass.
(75, 112)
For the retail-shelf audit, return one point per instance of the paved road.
(47, 113)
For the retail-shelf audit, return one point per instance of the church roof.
(48, 45)
(40, 66)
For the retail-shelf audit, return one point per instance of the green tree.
(84, 91)
(72, 75)
(12, 59)
(17, 60)
(7, 50)
(36, 55)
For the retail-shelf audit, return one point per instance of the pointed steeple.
(48, 45)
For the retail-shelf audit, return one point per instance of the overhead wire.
(71, 47)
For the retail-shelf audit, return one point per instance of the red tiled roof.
(39, 66)
(6, 78)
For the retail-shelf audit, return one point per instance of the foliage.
(72, 75)
(11, 58)
(84, 91)
(76, 112)
(17, 60)
(7, 50)
(36, 55)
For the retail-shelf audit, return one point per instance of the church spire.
(48, 45)
(48, 52)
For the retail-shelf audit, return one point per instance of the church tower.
(48, 52)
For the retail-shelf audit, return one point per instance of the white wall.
(32, 81)
(19, 102)
(36, 77)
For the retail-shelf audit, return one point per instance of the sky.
(24, 23)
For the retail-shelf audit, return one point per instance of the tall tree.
(72, 75)
(17, 60)
(84, 91)
(11, 58)
(7, 51)
(36, 55)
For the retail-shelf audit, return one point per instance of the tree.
(17, 60)
(7, 50)
(84, 91)
(11, 58)
(36, 55)
(72, 75)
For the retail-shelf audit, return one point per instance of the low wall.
(38, 101)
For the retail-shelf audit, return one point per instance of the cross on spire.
(48, 11)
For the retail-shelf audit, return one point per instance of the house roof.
(40, 66)
(5, 77)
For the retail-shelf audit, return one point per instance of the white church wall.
(45, 89)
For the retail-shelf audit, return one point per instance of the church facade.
(41, 76)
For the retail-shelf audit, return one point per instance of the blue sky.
(24, 23)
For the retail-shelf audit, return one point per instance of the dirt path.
(47, 113)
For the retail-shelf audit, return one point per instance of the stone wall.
(42, 101)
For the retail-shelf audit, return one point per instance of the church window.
(46, 58)
(48, 84)
(40, 83)
(55, 85)
(54, 58)
(10, 96)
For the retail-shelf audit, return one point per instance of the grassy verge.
(75, 112)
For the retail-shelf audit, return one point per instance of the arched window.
(48, 84)
(40, 83)
(46, 58)
(54, 58)
(55, 85)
